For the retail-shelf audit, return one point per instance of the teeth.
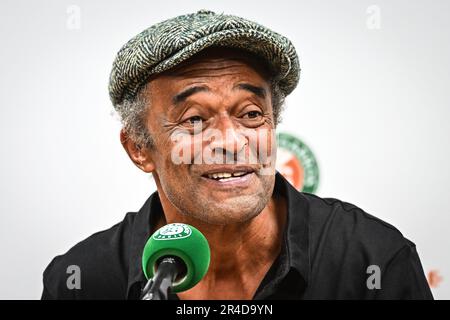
(219, 175)
(238, 174)
(225, 175)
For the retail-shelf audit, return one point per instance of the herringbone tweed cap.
(168, 43)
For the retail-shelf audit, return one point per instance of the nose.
(227, 140)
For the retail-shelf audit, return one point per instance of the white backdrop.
(372, 103)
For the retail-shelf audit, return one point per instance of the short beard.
(224, 213)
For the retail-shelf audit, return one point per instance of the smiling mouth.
(225, 176)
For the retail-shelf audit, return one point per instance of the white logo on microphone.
(173, 231)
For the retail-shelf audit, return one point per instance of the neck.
(241, 253)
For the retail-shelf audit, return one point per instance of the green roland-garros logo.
(173, 231)
(297, 163)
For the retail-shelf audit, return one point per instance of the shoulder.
(352, 253)
(346, 226)
(95, 267)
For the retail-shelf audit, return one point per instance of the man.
(200, 97)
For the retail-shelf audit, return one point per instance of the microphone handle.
(158, 287)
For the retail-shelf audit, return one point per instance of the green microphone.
(176, 257)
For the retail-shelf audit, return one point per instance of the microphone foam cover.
(184, 242)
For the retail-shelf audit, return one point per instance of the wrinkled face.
(212, 122)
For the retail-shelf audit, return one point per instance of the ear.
(138, 154)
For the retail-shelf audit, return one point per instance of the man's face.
(220, 105)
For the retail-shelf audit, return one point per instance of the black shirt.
(328, 246)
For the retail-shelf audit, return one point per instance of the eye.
(252, 114)
(194, 120)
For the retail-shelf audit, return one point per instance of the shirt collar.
(143, 227)
(295, 241)
(297, 233)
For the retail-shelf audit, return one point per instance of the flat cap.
(168, 43)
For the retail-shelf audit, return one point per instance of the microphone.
(175, 258)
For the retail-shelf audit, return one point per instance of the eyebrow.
(259, 91)
(183, 95)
